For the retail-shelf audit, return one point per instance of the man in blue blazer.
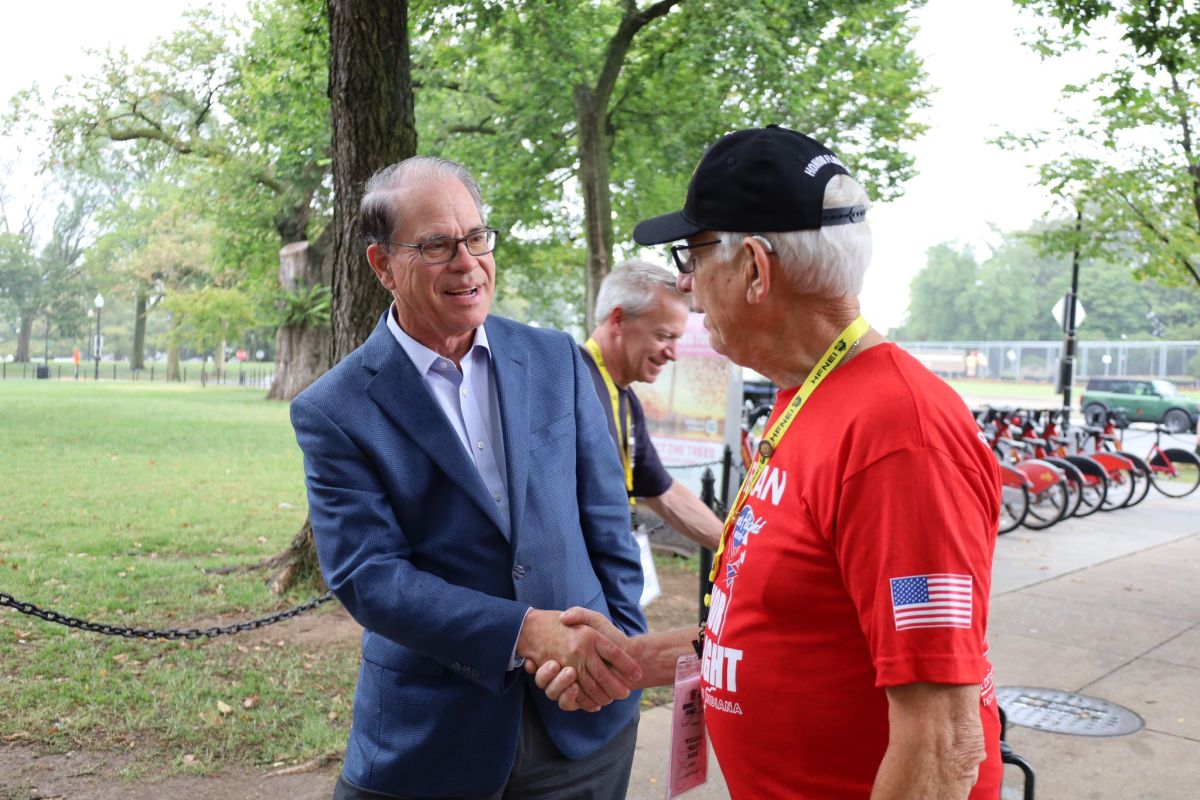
(463, 491)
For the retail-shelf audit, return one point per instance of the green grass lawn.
(1042, 392)
(113, 499)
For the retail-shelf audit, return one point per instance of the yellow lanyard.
(614, 397)
(837, 351)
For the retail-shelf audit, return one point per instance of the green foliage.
(305, 308)
(235, 110)
(210, 317)
(501, 88)
(233, 114)
(1009, 294)
(1133, 167)
(126, 492)
(50, 283)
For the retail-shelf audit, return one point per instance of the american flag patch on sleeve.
(931, 601)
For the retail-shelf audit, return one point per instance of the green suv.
(1142, 399)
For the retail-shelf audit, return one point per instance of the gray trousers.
(540, 772)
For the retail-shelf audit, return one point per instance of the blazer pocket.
(553, 433)
(397, 658)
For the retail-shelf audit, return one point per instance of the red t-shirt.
(862, 560)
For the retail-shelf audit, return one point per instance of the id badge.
(687, 767)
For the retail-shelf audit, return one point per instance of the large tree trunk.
(24, 333)
(597, 203)
(137, 354)
(595, 146)
(301, 351)
(371, 105)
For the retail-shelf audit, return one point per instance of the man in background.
(642, 316)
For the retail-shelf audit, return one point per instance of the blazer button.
(518, 572)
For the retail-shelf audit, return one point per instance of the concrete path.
(1107, 606)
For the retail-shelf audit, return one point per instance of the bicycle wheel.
(1095, 486)
(1014, 505)
(1122, 483)
(1180, 477)
(1142, 475)
(1047, 506)
(1014, 497)
(1075, 484)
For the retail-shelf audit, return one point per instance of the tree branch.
(1149, 225)
(1192, 167)
(618, 46)
(455, 86)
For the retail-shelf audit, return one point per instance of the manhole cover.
(1063, 712)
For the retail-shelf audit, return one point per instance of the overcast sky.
(988, 82)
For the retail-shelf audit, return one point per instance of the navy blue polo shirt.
(650, 478)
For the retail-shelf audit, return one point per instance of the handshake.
(582, 661)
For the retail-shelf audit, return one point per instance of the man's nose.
(683, 282)
(463, 260)
(669, 350)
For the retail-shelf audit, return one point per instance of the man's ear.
(378, 257)
(617, 317)
(759, 269)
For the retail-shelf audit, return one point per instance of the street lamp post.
(99, 303)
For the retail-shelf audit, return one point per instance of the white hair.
(633, 287)
(827, 262)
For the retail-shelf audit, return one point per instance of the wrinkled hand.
(586, 649)
(562, 683)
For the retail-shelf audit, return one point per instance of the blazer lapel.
(397, 388)
(511, 371)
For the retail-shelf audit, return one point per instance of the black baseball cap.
(760, 180)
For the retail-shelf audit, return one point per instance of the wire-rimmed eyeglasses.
(440, 249)
(685, 262)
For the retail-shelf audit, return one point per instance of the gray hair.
(378, 212)
(631, 286)
(827, 262)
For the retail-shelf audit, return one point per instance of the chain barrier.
(693, 466)
(153, 635)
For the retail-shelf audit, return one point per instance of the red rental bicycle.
(1047, 489)
(1173, 470)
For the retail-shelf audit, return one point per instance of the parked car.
(1143, 400)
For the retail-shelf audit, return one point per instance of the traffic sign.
(1061, 306)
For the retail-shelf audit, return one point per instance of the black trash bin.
(43, 372)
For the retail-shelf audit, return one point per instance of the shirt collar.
(422, 357)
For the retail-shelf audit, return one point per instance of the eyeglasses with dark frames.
(440, 249)
(686, 262)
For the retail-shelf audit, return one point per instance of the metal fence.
(256, 376)
(1177, 361)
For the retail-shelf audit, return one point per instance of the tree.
(1009, 294)
(371, 107)
(1134, 167)
(585, 117)
(247, 123)
(47, 284)
(208, 318)
(156, 243)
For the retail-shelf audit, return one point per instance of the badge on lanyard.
(687, 767)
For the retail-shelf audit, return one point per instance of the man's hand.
(655, 653)
(592, 648)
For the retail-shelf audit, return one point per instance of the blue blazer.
(412, 543)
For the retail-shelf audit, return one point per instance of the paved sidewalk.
(1107, 606)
